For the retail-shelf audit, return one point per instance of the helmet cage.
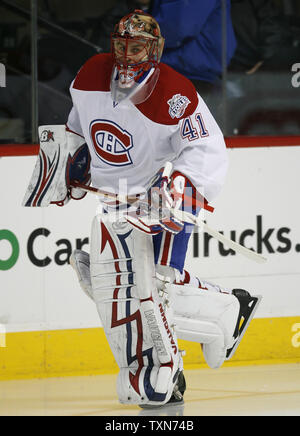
(133, 55)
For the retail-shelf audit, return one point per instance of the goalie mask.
(136, 47)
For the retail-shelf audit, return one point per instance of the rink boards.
(49, 327)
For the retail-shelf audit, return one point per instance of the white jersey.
(129, 143)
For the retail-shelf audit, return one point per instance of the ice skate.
(179, 390)
(248, 307)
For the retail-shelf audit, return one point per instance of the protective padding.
(206, 317)
(124, 290)
(48, 181)
(80, 261)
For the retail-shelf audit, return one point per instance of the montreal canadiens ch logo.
(111, 143)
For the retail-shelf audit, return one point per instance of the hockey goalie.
(131, 114)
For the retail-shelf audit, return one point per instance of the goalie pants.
(170, 250)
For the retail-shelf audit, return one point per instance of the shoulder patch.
(177, 105)
(173, 98)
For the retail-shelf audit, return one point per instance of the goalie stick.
(182, 215)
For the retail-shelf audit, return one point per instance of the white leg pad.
(80, 261)
(206, 317)
(124, 290)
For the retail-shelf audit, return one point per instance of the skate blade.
(244, 326)
(161, 406)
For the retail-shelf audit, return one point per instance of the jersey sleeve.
(73, 123)
(94, 75)
(200, 151)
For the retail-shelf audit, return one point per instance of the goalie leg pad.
(124, 290)
(80, 261)
(205, 317)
